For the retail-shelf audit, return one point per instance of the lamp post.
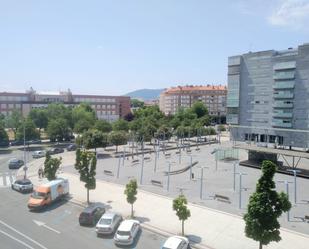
(295, 171)
(234, 176)
(25, 168)
(168, 175)
(240, 188)
(286, 183)
(201, 181)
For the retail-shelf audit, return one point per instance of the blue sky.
(116, 46)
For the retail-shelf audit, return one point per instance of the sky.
(116, 46)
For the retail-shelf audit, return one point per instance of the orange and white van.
(47, 193)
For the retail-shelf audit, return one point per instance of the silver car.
(23, 185)
(108, 223)
(39, 154)
(176, 242)
(127, 232)
(15, 163)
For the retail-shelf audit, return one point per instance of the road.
(57, 227)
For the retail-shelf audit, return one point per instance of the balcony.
(282, 75)
(283, 95)
(282, 114)
(280, 123)
(282, 104)
(284, 84)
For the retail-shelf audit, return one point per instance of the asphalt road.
(57, 227)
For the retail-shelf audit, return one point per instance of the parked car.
(71, 147)
(22, 185)
(176, 242)
(17, 142)
(36, 141)
(127, 232)
(15, 163)
(108, 223)
(39, 154)
(55, 151)
(91, 214)
(4, 144)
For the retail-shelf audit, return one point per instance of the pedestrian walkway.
(6, 179)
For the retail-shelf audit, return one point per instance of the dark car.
(71, 147)
(23, 185)
(91, 214)
(36, 141)
(15, 163)
(55, 151)
(17, 142)
(4, 144)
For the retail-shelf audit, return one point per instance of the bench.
(108, 172)
(155, 182)
(188, 151)
(167, 155)
(147, 158)
(197, 149)
(135, 161)
(222, 198)
(177, 152)
(306, 218)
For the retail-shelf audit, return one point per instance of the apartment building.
(213, 96)
(106, 107)
(268, 95)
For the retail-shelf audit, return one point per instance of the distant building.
(268, 95)
(214, 98)
(106, 107)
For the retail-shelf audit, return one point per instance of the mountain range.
(145, 94)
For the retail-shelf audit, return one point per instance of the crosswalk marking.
(6, 179)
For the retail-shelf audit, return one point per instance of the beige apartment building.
(214, 97)
(106, 107)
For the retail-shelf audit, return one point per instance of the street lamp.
(25, 168)
(168, 175)
(295, 171)
(286, 183)
(240, 187)
(201, 181)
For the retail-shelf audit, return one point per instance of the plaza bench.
(108, 172)
(167, 155)
(135, 161)
(222, 198)
(197, 149)
(156, 182)
(147, 158)
(306, 218)
(177, 152)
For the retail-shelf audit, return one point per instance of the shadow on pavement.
(141, 219)
(194, 239)
(6, 151)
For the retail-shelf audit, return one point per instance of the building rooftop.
(190, 88)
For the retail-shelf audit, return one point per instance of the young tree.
(39, 117)
(103, 126)
(120, 125)
(51, 165)
(31, 131)
(183, 213)
(83, 117)
(265, 207)
(118, 138)
(14, 120)
(58, 129)
(94, 139)
(4, 138)
(199, 109)
(86, 163)
(131, 192)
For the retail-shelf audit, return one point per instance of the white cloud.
(291, 13)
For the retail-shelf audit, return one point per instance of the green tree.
(4, 138)
(120, 125)
(135, 103)
(94, 139)
(51, 165)
(39, 117)
(83, 117)
(199, 109)
(265, 207)
(31, 131)
(86, 163)
(60, 111)
(58, 129)
(2, 120)
(14, 120)
(131, 192)
(103, 126)
(183, 213)
(117, 138)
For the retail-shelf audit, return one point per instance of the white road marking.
(25, 236)
(42, 224)
(19, 241)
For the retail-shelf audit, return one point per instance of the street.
(56, 227)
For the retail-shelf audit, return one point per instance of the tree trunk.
(131, 210)
(260, 245)
(182, 227)
(88, 196)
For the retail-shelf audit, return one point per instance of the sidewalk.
(207, 227)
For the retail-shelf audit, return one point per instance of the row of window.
(13, 98)
(91, 100)
(10, 106)
(106, 113)
(103, 106)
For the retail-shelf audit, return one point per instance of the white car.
(23, 185)
(127, 232)
(176, 242)
(39, 154)
(108, 223)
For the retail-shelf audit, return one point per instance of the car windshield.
(38, 195)
(123, 233)
(106, 221)
(25, 182)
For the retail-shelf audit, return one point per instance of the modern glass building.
(268, 96)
